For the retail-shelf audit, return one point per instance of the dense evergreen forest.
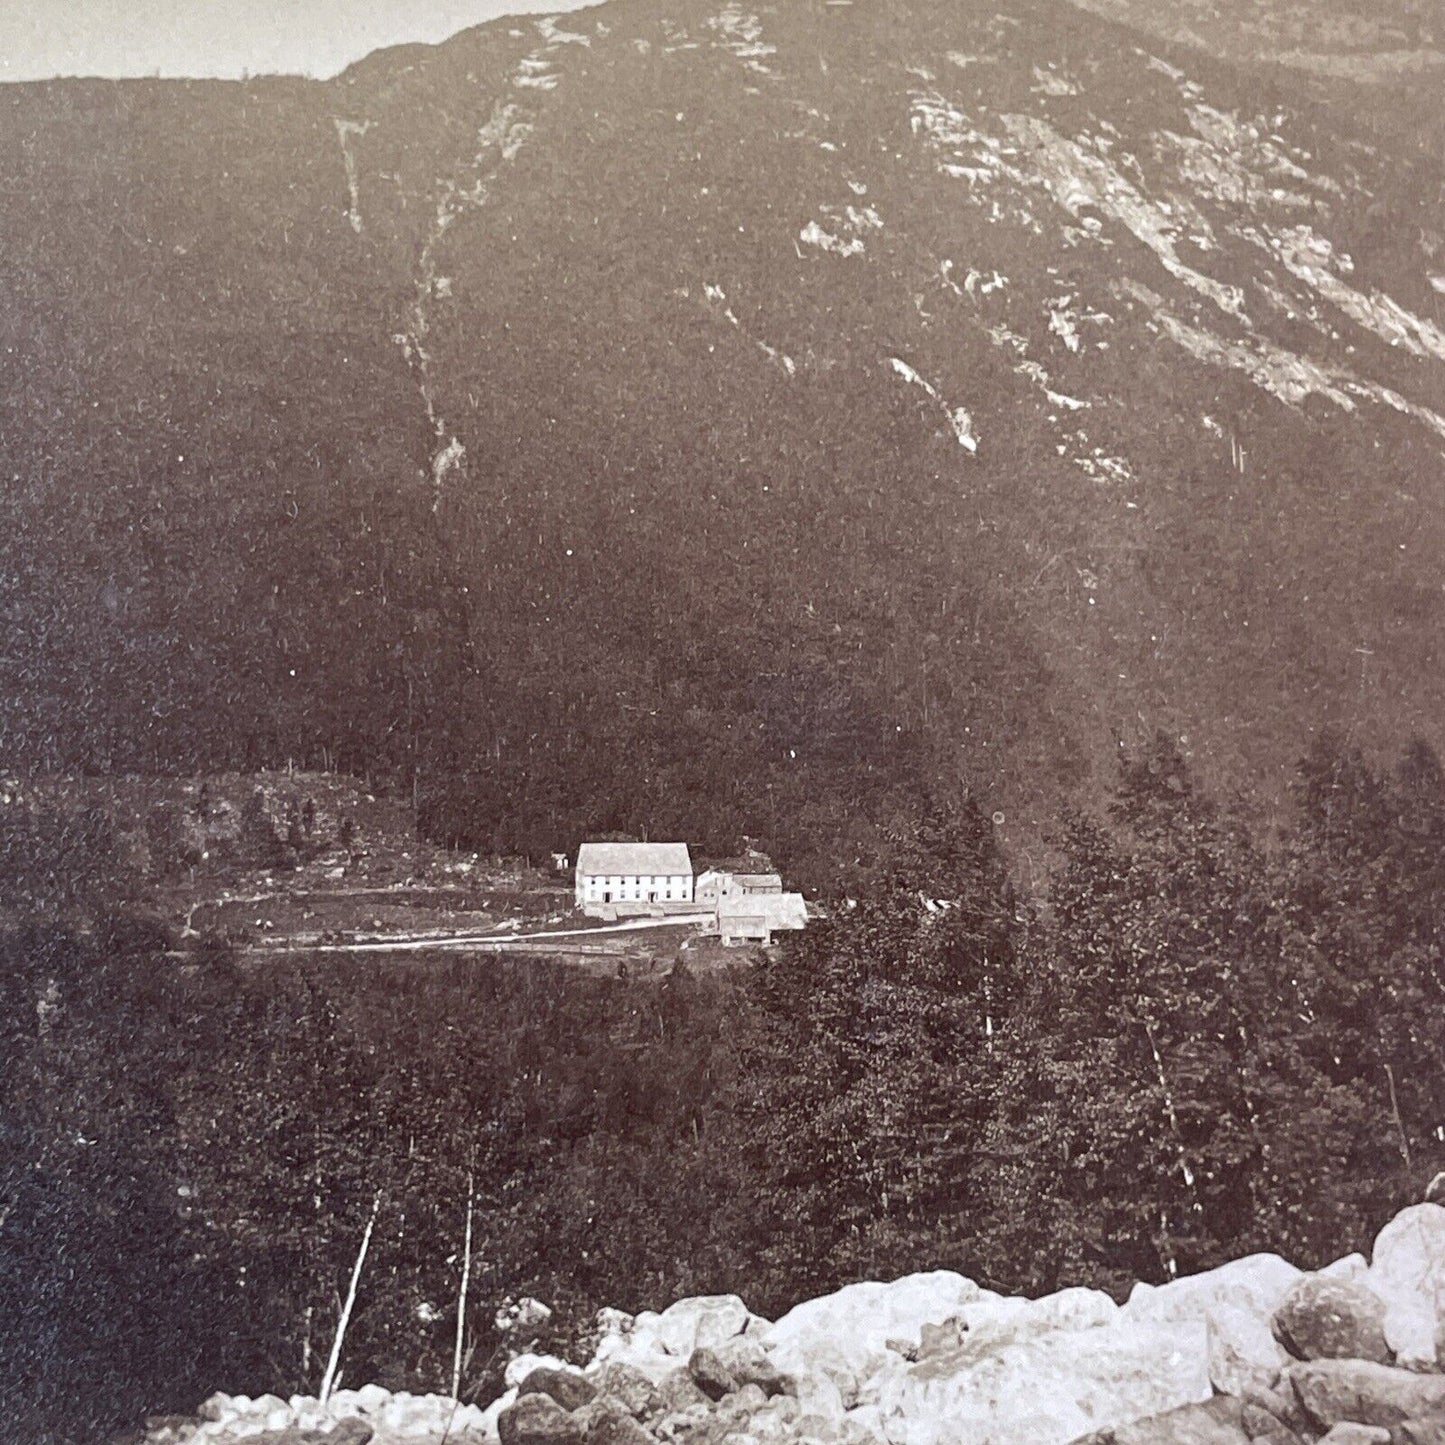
(1187, 1048)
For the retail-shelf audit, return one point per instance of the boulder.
(1348, 1433)
(1256, 1283)
(1332, 1319)
(819, 1397)
(168, 1429)
(424, 1417)
(366, 1401)
(844, 1336)
(571, 1389)
(993, 1323)
(630, 1388)
(1215, 1422)
(681, 1422)
(710, 1374)
(221, 1406)
(539, 1420)
(1051, 1388)
(1352, 1266)
(1265, 1427)
(701, 1323)
(614, 1322)
(750, 1364)
(776, 1417)
(1407, 1271)
(1236, 1302)
(818, 1430)
(745, 1400)
(248, 1428)
(1242, 1349)
(610, 1422)
(1253, 1285)
(657, 1343)
(677, 1391)
(1281, 1403)
(353, 1431)
(521, 1366)
(494, 1412)
(1331, 1391)
(1435, 1190)
(1419, 1432)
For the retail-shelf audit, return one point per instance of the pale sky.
(43, 38)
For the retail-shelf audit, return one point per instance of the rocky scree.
(1254, 1351)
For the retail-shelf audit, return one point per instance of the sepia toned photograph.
(721, 722)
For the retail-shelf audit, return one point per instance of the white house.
(617, 878)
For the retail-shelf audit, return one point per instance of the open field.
(280, 863)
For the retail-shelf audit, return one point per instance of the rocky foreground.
(1257, 1350)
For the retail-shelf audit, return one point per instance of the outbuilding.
(755, 917)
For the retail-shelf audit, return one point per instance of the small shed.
(718, 882)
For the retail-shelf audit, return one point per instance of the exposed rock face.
(1332, 1319)
(1407, 1271)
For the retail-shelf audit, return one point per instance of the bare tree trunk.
(1185, 1171)
(462, 1293)
(328, 1380)
(1399, 1122)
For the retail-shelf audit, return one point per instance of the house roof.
(778, 910)
(650, 860)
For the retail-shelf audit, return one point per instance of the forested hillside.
(1196, 1052)
(707, 421)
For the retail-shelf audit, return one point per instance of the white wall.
(634, 888)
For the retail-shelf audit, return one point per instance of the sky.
(44, 38)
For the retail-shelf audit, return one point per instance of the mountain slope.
(732, 418)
